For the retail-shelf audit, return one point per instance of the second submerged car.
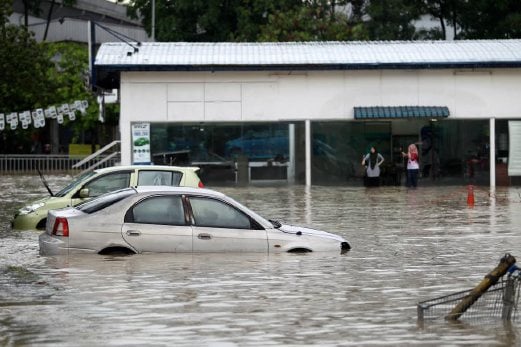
(94, 183)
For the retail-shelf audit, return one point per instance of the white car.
(174, 219)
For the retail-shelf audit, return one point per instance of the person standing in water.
(413, 165)
(373, 160)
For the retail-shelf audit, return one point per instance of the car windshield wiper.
(275, 223)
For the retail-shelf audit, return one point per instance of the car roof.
(181, 190)
(149, 167)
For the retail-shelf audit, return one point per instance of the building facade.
(308, 112)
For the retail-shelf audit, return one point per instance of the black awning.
(400, 112)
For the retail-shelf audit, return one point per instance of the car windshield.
(75, 183)
(105, 200)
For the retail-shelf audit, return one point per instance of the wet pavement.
(408, 246)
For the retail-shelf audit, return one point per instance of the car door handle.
(133, 232)
(204, 236)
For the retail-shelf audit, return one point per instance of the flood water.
(408, 246)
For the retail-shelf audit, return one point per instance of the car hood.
(293, 229)
(50, 202)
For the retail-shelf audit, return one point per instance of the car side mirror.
(84, 193)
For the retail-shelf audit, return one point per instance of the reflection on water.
(408, 246)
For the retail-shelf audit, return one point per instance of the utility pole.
(91, 27)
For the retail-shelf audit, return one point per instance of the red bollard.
(470, 195)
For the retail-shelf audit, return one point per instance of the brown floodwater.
(408, 246)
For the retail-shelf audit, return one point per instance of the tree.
(23, 64)
(316, 21)
(39, 75)
(392, 19)
(70, 63)
(484, 19)
(186, 20)
(246, 20)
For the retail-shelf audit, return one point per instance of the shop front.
(307, 112)
(451, 151)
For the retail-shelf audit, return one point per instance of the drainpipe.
(492, 155)
(308, 153)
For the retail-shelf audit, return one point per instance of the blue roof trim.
(400, 112)
(311, 67)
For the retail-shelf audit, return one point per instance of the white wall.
(315, 95)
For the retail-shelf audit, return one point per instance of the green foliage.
(305, 20)
(485, 19)
(246, 20)
(311, 23)
(6, 9)
(71, 62)
(392, 19)
(38, 75)
(23, 62)
(41, 75)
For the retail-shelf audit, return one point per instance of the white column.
(492, 155)
(291, 167)
(308, 153)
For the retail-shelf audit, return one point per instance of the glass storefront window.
(215, 148)
(338, 148)
(451, 151)
(220, 142)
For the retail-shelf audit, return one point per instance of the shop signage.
(141, 143)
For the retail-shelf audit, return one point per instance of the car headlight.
(31, 208)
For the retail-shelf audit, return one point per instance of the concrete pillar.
(243, 170)
(308, 152)
(291, 139)
(492, 155)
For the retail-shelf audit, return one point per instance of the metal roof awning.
(401, 112)
(114, 57)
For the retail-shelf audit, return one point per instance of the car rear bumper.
(53, 245)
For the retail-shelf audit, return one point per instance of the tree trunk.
(443, 29)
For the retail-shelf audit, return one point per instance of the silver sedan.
(174, 219)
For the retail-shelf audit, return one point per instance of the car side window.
(159, 178)
(108, 183)
(165, 210)
(214, 213)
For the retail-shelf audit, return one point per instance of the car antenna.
(45, 182)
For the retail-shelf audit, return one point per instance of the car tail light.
(201, 185)
(61, 227)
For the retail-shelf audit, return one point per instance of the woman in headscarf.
(373, 160)
(413, 165)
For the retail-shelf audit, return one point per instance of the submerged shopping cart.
(495, 297)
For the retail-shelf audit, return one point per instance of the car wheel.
(116, 251)
(299, 250)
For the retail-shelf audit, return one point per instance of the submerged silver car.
(174, 219)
